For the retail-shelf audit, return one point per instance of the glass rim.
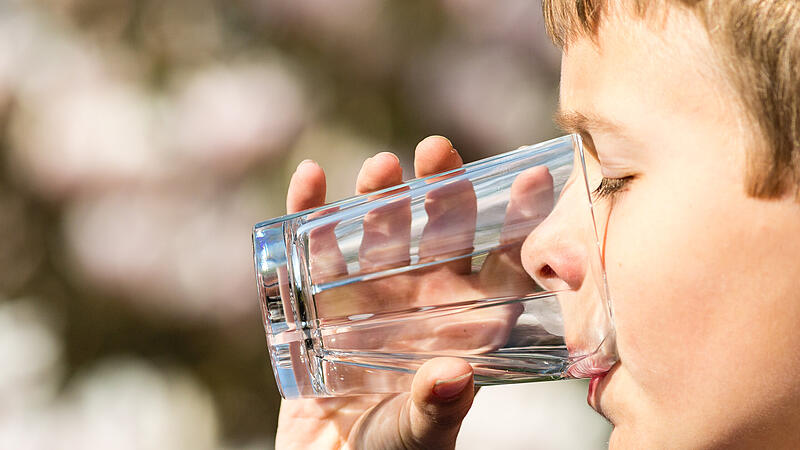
(488, 162)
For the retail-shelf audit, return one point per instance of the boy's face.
(704, 279)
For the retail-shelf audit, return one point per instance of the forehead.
(639, 70)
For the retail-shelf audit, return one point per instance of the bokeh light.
(140, 140)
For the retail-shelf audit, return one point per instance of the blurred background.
(140, 140)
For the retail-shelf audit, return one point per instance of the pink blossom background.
(140, 140)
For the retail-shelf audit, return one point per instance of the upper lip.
(593, 365)
(595, 362)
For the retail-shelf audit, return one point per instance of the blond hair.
(759, 43)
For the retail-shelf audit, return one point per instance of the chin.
(623, 438)
(619, 439)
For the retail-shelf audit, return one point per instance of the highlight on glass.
(358, 294)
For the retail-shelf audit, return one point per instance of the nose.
(555, 253)
(562, 255)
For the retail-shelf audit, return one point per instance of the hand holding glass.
(357, 294)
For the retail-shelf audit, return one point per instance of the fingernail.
(451, 387)
(305, 161)
(391, 155)
(448, 140)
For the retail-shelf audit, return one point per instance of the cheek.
(665, 292)
(704, 288)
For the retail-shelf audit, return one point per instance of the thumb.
(441, 394)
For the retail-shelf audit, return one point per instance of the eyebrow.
(573, 121)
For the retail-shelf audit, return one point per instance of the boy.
(691, 112)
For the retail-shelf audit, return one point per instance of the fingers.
(435, 154)
(429, 417)
(531, 201)
(451, 209)
(381, 171)
(307, 190)
(441, 395)
(387, 230)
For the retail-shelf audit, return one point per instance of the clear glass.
(357, 294)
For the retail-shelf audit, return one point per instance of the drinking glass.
(356, 295)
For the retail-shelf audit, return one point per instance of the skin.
(704, 279)
(442, 390)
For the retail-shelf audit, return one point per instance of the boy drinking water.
(690, 114)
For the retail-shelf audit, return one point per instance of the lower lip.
(593, 398)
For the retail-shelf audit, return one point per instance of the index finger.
(306, 188)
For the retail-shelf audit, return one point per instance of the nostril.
(546, 272)
(554, 263)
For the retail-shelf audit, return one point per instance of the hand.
(441, 392)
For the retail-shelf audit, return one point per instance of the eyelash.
(609, 187)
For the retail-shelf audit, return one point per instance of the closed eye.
(609, 187)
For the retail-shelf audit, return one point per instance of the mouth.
(591, 366)
(597, 386)
(593, 397)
